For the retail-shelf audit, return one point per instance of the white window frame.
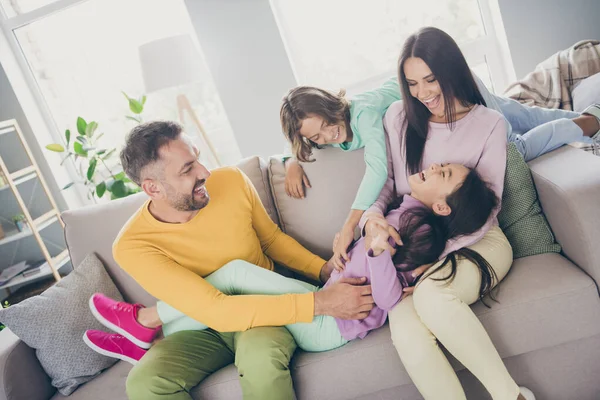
(30, 97)
(492, 48)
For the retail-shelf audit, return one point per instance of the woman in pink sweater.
(443, 119)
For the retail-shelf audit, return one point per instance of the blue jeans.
(534, 130)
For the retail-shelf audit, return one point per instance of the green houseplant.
(93, 163)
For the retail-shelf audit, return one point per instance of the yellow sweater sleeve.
(191, 294)
(280, 247)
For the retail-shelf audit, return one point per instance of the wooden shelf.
(59, 261)
(15, 235)
(34, 226)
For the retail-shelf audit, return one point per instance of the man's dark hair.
(142, 145)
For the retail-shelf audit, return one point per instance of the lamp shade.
(170, 62)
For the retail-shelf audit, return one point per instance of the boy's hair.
(425, 234)
(142, 145)
(302, 102)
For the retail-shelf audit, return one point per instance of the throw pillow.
(586, 93)
(53, 324)
(521, 216)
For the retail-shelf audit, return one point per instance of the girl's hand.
(407, 291)
(380, 243)
(340, 248)
(377, 225)
(295, 179)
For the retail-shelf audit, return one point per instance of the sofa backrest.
(93, 229)
(314, 220)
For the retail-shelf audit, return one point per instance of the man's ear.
(441, 208)
(152, 188)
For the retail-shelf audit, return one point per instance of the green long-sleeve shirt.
(366, 121)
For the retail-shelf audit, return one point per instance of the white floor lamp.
(172, 62)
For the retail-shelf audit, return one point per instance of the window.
(336, 43)
(83, 54)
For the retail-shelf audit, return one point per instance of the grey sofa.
(546, 325)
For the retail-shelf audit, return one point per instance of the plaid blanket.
(552, 81)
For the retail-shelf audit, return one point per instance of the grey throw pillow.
(53, 324)
(521, 216)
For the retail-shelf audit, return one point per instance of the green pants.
(240, 277)
(176, 364)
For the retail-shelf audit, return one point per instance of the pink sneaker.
(113, 345)
(121, 317)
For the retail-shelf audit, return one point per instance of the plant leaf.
(88, 148)
(92, 169)
(79, 149)
(135, 106)
(91, 128)
(118, 189)
(81, 139)
(100, 152)
(81, 125)
(100, 189)
(68, 185)
(133, 119)
(68, 136)
(55, 147)
(143, 100)
(99, 136)
(120, 176)
(65, 158)
(105, 156)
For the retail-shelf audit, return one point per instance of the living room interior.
(77, 75)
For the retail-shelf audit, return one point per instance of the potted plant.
(20, 222)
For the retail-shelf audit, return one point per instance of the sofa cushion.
(314, 220)
(521, 217)
(93, 229)
(544, 301)
(53, 324)
(109, 385)
(587, 92)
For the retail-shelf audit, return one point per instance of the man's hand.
(341, 242)
(345, 299)
(295, 179)
(326, 270)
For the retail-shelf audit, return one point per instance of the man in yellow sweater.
(179, 237)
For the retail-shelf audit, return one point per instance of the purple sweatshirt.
(386, 281)
(477, 141)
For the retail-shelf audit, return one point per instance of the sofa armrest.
(568, 185)
(21, 375)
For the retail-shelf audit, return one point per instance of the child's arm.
(295, 179)
(370, 128)
(386, 288)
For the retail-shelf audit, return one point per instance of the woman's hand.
(341, 242)
(295, 179)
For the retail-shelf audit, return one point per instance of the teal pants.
(240, 277)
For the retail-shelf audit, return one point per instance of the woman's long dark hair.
(424, 234)
(447, 63)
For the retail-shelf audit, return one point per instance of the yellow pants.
(439, 311)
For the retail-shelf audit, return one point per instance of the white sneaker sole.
(115, 328)
(108, 353)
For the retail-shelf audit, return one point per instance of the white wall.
(536, 29)
(249, 65)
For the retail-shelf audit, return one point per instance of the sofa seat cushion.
(108, 385)
(541, 294)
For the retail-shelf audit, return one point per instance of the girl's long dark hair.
(447, 63)
(424, 234)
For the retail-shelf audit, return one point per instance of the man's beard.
(185, 202)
